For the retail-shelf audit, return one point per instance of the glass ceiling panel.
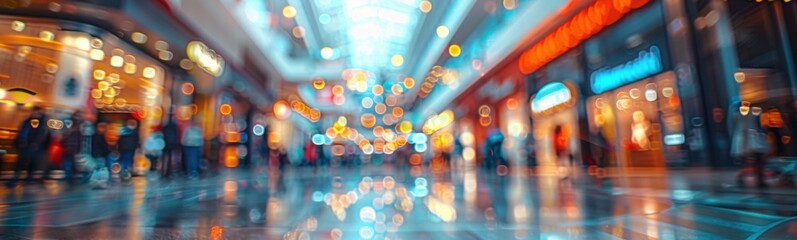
(367, 32)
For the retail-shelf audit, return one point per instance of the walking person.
(171, 147)
(192, 149)
(749, 139)
(72, 142)
(100, 150)
(100, 153)
(32, 142)
(128, 144)
(153, 148)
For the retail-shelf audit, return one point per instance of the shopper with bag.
(749, 139)
(100, 151)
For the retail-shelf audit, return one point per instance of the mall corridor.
(398, 119)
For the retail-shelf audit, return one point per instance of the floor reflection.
(389, 202)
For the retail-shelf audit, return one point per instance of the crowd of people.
(87, 151)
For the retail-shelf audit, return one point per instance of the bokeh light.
(397, 60)
(442, 31)
(425, 6)
(454, 50)
(289, 11)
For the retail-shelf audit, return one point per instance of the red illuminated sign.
(581, 27)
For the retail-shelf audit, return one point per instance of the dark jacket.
(32, 138)
(99, 146)
(171, 136)
(71, 142)
(129, 140)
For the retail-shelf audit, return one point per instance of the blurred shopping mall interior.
(398, 119)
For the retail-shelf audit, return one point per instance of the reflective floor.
(387, 202)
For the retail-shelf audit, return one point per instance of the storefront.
(613, 96)
(747, 54)
(48, 64)
(635, 103)
(492, 120)
(555, 127)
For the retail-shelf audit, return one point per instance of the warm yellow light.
(2, 93)
(327, 53)
(467, 139)
(96, 93)
(281, 109)
(397, 60)
(469, 153)
(405, 127)
(149, 72)
(161, 45)
(368, 120)
(409, 82)
(425, 6)
(18, 26)
(187, 88)
(82, 43)
(337, 90)
(319, 84)
(96, 54)
(739, 77)
(110, 92)
(225, 109)
(289, 11)
(378, 131)
(47, 35)
(204, 57)
(117, 61)
(396, 89)
(484, 110)
(165, 55)
(298, 32)
(398, 112)
(512, 104)
(130, 68)
(378, 90)
(442, 31)
(380, 108)
(138, 37)
(454, 50)
(342, 121)
(99, 74)
(103, 85)
(186, 64)
(510, 4)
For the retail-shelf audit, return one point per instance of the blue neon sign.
(645, 65)
(549, 96)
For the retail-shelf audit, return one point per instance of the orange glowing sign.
(187, 88)
(281, 110)
(582, 26)
(225, 109)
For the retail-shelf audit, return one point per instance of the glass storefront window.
(64, 71)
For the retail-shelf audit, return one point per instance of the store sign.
(205, 58)
(645, 65)
(552, 96)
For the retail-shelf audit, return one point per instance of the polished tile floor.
(386, 202)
